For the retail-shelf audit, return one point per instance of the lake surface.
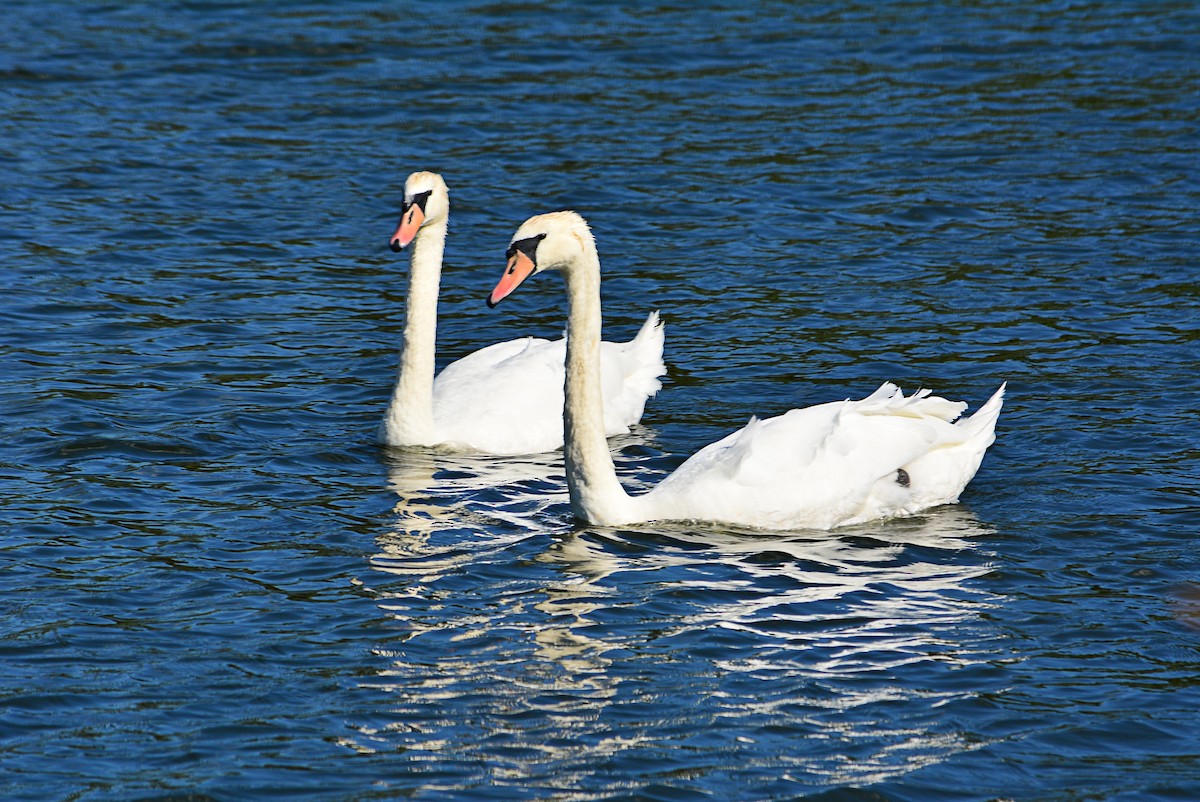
(216, 585)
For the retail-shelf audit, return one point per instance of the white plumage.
(833, 464)
(505, 398)
(823, 466)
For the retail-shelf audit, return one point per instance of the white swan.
(819, 467)
(506, 398)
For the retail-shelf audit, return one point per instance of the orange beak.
(520, 267)
(410, 223)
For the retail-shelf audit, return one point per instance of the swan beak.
(410, 221)
(520, 267)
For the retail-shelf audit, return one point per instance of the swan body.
(823, 466)
(507, 398)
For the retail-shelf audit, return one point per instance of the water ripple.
(218, 585)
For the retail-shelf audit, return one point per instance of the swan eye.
(527, 246)
(419, 200)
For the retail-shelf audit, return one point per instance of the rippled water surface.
(216, 585)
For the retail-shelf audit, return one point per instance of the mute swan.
(819, 467)
(506, 398)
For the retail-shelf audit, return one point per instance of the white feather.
(823, 466)
(505, 398)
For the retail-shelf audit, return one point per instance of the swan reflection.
(875, 589)
(811, 633)
(446, 499)
(546, 634)
(455, 511)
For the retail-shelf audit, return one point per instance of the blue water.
(216, 585)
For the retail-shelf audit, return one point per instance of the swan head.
(426, 200)
(554, 241)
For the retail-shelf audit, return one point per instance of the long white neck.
(596, 495)
(409, 419)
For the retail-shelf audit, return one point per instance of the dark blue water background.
(215, 585)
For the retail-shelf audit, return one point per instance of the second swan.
(819, 467)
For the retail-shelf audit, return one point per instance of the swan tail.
(650, 338)
(940, 476)
(646, 356)
(641, 364)
(983, 422)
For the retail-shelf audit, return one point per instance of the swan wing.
(503, 399)
(507, 398)
(489, 358)
(833, 463)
